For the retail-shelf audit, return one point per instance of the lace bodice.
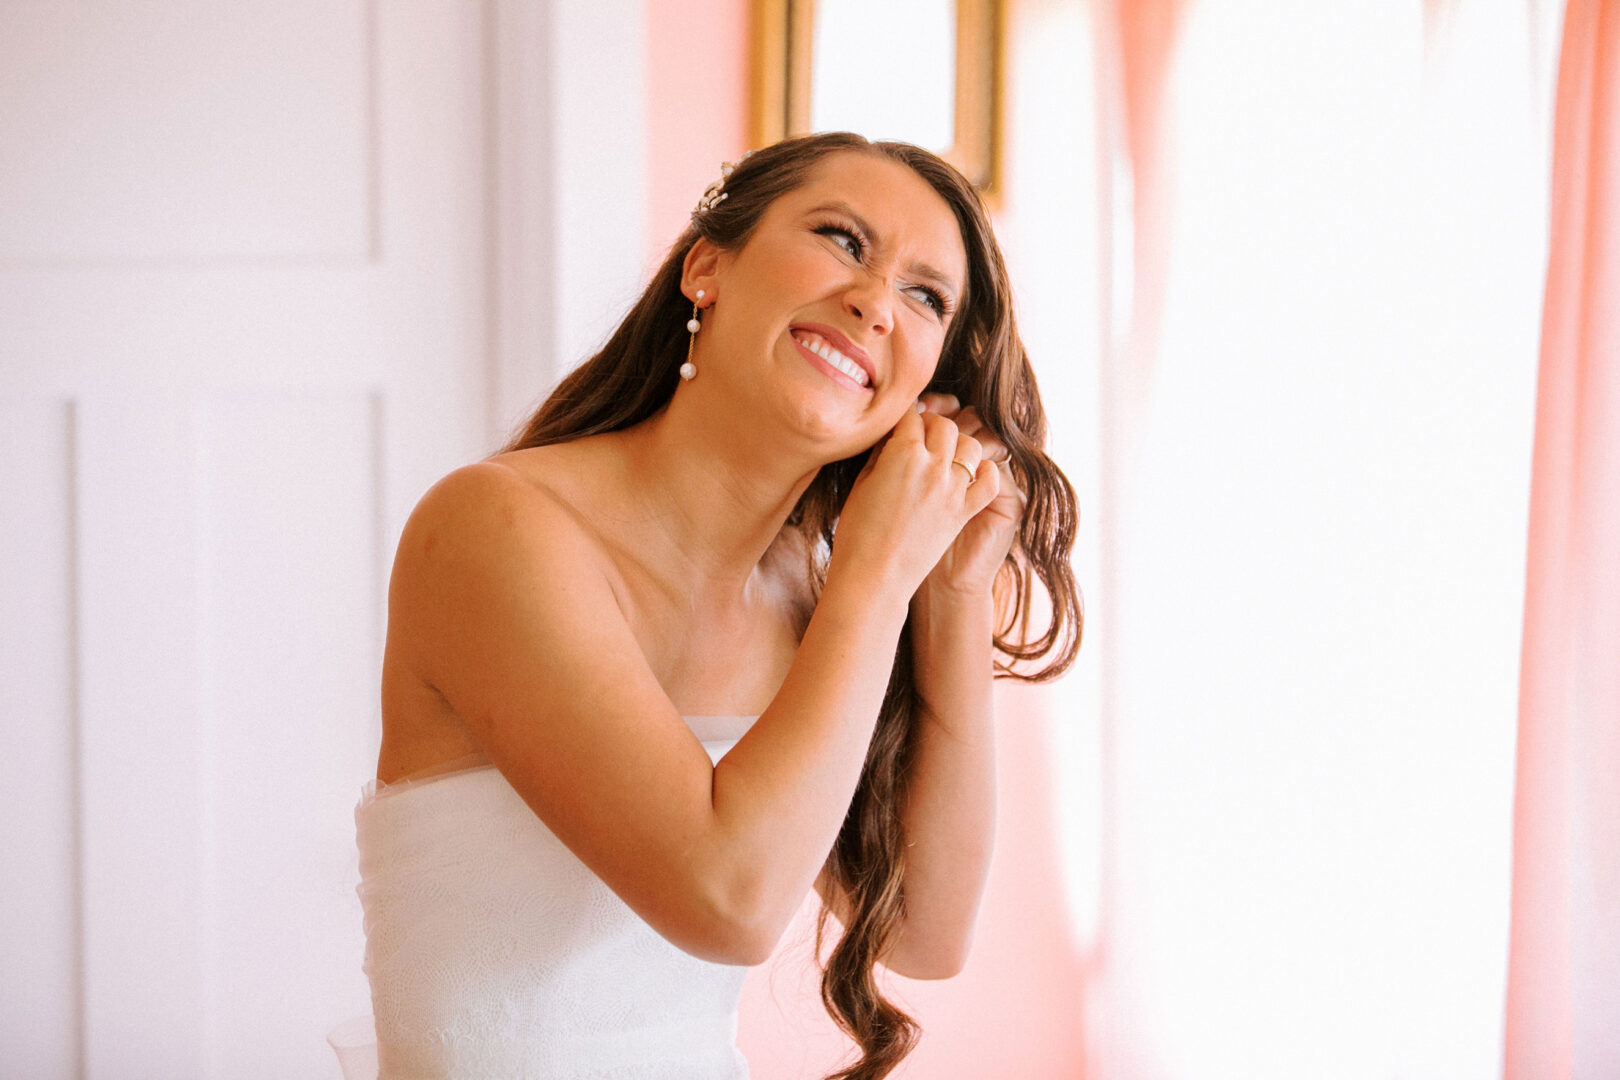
(493, 951)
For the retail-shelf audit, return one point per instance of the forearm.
(778, 800)
(950, 806)
(780, 796)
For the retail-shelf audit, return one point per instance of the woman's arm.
(951, 794)
(501, 602)
(951, 790)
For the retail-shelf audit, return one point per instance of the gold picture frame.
(783, 39)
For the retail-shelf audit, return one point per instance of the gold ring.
(972, 476)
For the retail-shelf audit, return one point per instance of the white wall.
(261, 282)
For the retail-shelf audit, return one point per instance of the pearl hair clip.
(716, 193)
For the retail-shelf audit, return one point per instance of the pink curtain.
(1563, 1009)
(1136, 42)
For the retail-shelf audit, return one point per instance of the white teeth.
(818, 345)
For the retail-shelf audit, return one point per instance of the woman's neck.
(715, 493)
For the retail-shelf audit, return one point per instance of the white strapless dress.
(495, 954)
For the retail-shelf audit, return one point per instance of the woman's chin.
(840, 425)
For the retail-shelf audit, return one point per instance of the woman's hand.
(970, 564)
(921, 485)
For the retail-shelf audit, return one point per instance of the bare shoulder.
(499, 518)
(488, 500)
(487, 542)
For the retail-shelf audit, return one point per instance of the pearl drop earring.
(689, 369)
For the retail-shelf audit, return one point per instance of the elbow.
(729, 930)
(733, 942)
(928, 961)
(936, 972)
(747, 946)
(750, 928)
(931, 969)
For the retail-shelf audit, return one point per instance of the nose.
(869, 300)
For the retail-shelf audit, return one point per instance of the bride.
(717, 628)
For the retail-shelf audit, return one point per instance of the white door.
(243, 323)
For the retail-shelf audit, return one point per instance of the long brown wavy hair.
(982, 362)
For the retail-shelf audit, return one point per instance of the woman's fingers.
(1012, 499)
(956, 454)
(968, 423)
(953, 448)
(968, 453)
(987, 484)
(917, 493)
(910, 421)
(939, 434)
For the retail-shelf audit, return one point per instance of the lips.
(837, 351)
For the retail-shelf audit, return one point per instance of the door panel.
(243, 325)
(39, 926)
(185, 130)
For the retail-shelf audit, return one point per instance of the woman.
(636, 686)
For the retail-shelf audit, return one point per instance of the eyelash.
(934, 300)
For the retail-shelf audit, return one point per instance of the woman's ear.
(701, 270)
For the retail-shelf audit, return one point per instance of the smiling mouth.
(822, 348)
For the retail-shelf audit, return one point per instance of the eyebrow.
(918, 269)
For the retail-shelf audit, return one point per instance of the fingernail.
(921, 407)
